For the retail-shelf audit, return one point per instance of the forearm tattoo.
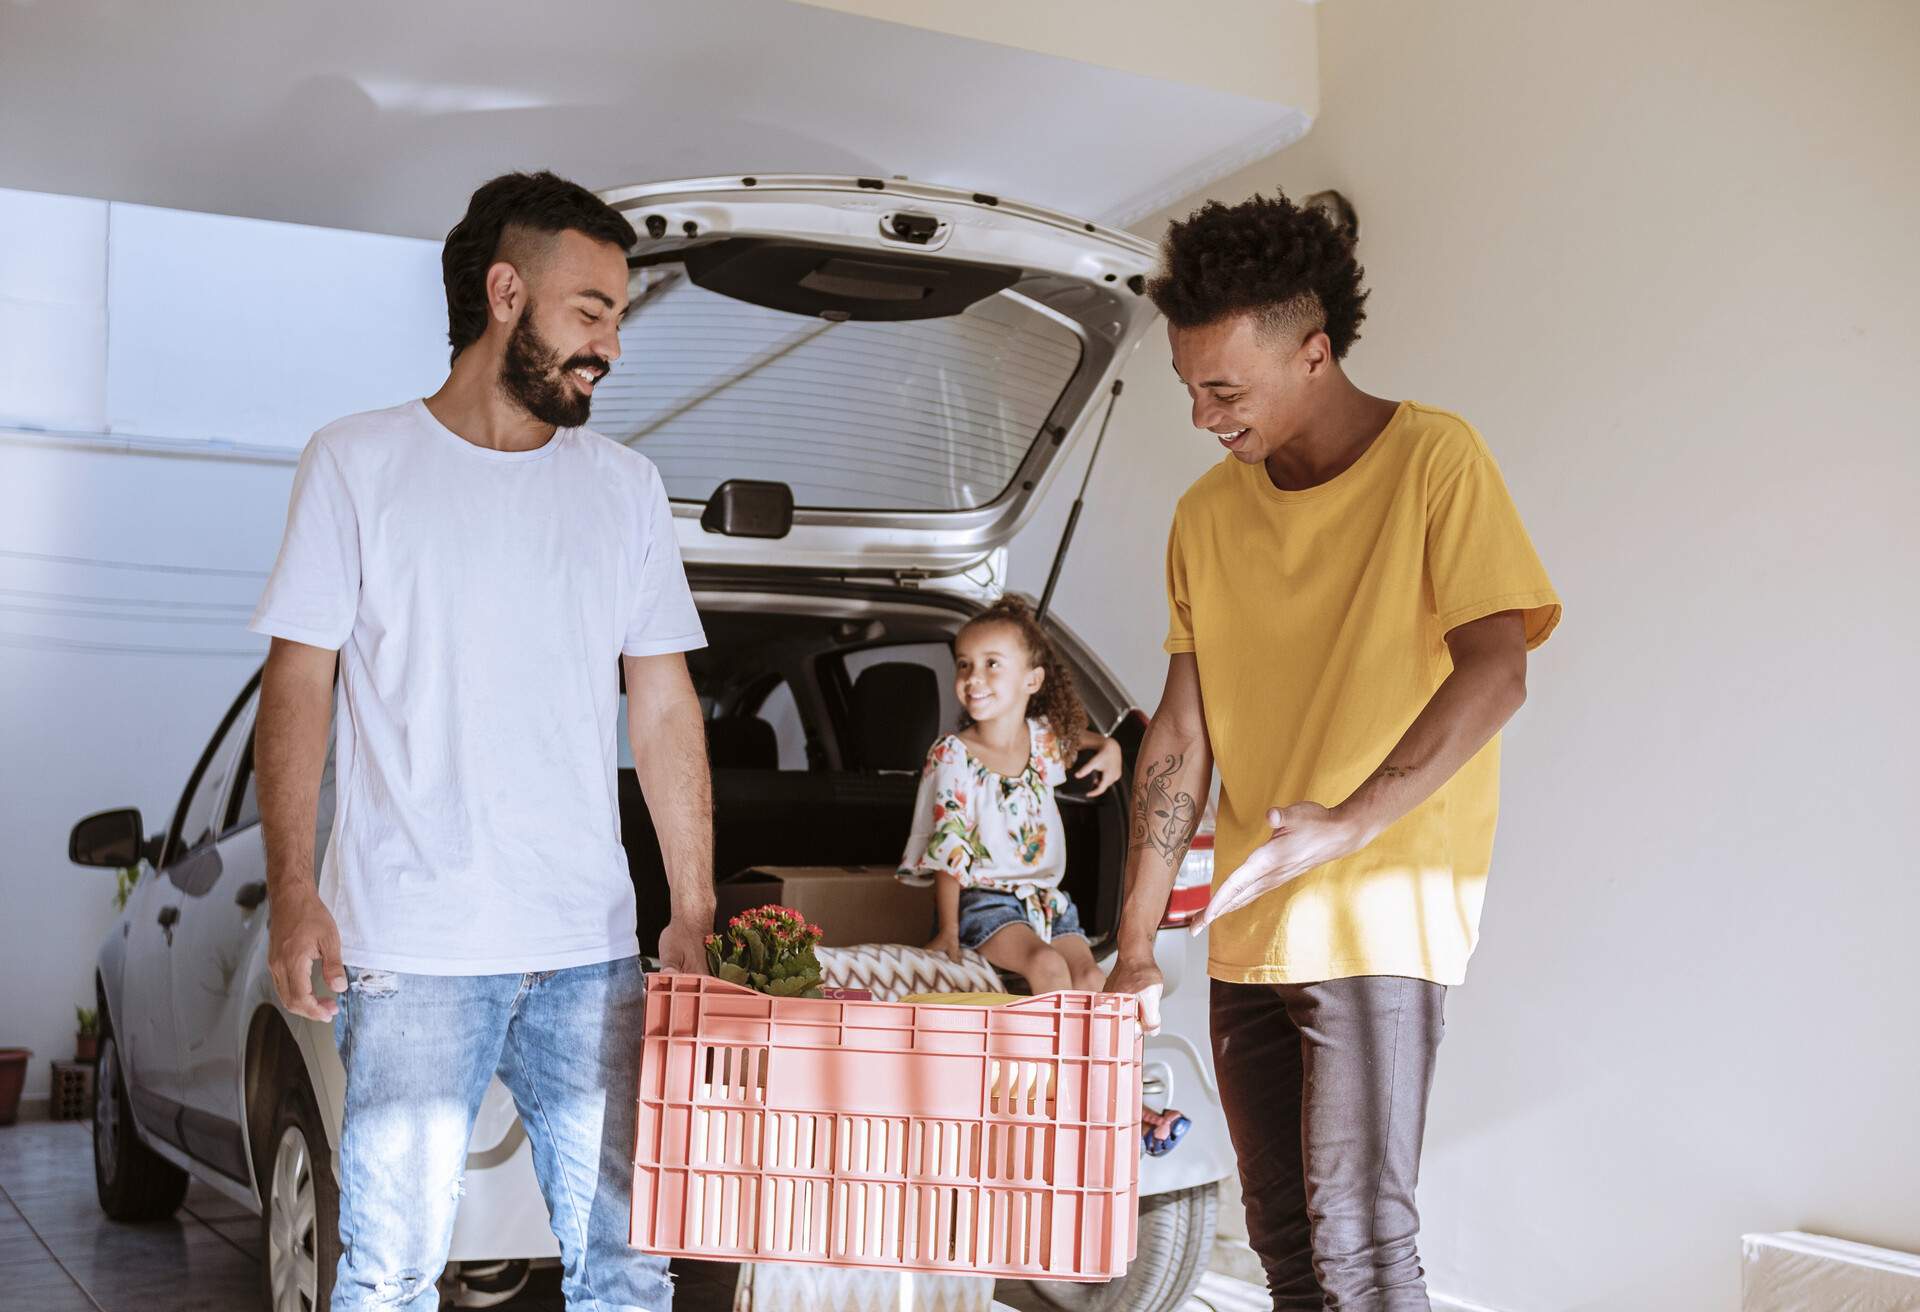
(1162, 818)
(1393, 772)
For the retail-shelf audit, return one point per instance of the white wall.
(108, 705)
(1663, 255)
(263, 332)
(141, 352)
(53, 310)
(1259, 48)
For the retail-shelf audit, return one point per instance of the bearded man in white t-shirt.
(482, 568)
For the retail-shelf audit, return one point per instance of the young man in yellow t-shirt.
(1352, 599)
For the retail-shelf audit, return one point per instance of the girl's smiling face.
(993, 676)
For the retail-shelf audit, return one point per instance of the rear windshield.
(923, 414)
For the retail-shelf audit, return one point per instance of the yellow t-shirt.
(1318, 619)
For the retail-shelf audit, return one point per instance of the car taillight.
(1193, 882)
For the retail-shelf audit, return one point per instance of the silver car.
(856, 390)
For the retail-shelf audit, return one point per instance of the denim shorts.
(984, 912)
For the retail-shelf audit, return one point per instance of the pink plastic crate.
(998, 1141)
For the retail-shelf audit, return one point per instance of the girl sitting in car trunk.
(987, 829)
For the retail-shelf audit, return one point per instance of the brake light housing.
(1192, 883)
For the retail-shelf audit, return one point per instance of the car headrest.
(896, 716)
(742, 742)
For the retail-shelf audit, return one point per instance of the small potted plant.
(86, 1039)
(768, 949)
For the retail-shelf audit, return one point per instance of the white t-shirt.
(480, 601)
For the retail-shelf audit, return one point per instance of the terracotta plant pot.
(13, 1078)
(86, 1047)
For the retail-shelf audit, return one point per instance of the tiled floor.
(59, 1253)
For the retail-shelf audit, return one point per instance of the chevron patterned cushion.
(892, 971)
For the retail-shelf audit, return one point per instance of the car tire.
(299, 1208)
(133, 1182)
(1176, 1239)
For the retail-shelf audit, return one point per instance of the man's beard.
(537, 381)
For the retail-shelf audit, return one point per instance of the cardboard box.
(853, 904)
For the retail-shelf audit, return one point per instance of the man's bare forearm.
(289, 756)
(671, 765)
(1171, 781)
(1487, 685)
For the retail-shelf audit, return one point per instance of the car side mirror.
(111, 840)
(749, 508)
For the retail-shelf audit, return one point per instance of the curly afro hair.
(1286, 263)
(514, 205)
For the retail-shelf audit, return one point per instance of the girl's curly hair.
(1285, 263)
(1057, 702)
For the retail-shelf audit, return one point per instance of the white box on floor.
(797, 1287)
(1792, 1271)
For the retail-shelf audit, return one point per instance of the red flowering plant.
(769, 949)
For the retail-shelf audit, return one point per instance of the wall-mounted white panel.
(1794, 1270)
(53, 263)
(251, 331)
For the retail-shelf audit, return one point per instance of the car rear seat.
(767, 816)
(896, 716)
(742, 742)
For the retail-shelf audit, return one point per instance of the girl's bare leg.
(1079, 958)
(1019, 949)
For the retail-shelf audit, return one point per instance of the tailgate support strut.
(1073, 516)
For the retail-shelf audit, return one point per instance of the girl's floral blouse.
(985, 829)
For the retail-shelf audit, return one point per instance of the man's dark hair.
(526, 204)
(1284, 263)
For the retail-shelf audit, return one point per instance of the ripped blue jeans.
(419, 1051)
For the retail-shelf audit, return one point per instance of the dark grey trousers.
(1325, 1087)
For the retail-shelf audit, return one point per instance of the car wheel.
(134, 1183)
(299, 1209)
(1176, 1238)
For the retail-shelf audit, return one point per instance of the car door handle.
(250, 895)
(169, 917)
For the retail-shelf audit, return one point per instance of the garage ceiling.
(384, 116)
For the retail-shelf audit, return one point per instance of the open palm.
(1305, 835)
